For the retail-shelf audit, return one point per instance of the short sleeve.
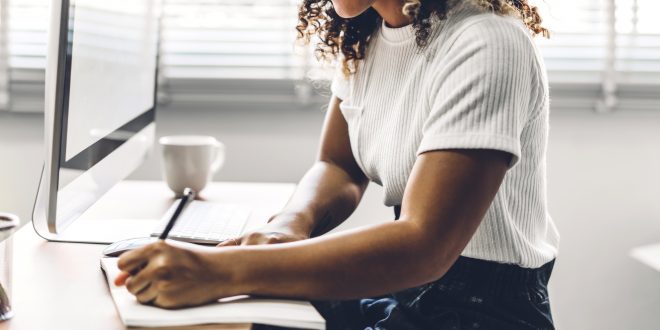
(340, 86)
(481, 95)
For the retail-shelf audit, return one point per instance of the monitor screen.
(100, 103)
(111, 84)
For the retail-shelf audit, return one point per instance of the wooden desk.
(61, 286)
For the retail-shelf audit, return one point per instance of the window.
(603, 54)
(24, 24)
(230, 52)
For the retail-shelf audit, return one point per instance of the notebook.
(234, 310)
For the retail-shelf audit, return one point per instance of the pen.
(188, 195)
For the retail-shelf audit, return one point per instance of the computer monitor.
(100, 103)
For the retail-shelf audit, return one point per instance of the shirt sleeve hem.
(472, 141)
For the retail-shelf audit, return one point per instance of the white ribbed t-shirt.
(479, 84)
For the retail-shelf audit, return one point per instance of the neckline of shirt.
(406, 34)
(397, 35)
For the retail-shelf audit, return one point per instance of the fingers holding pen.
(143, 285)
(131, 262)
(122, 278)
(148, 294)
(137, 283)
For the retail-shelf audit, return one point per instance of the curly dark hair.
(350, 36)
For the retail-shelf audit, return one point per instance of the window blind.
(231, 51)
(26, 23)
(603, 54)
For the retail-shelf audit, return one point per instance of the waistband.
(495, 274)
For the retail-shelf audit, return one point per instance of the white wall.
(604, 174)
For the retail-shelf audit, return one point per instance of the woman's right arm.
(327, 194)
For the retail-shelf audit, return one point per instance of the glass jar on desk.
(8, 224)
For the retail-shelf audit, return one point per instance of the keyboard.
(205, 222)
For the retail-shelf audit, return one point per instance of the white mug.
(189, 161)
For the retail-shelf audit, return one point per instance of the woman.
(444, 104)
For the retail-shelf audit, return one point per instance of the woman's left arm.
(448, 194)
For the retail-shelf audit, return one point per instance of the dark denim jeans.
(473, 294)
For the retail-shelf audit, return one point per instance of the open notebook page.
(243, 309)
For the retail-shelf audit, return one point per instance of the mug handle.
(219, 158)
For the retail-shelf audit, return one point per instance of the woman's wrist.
(229, 272)
(299, 222)
(235, 270)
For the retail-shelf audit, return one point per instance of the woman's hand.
(281, 228)
(173, 274)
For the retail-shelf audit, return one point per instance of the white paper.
(283, 313)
